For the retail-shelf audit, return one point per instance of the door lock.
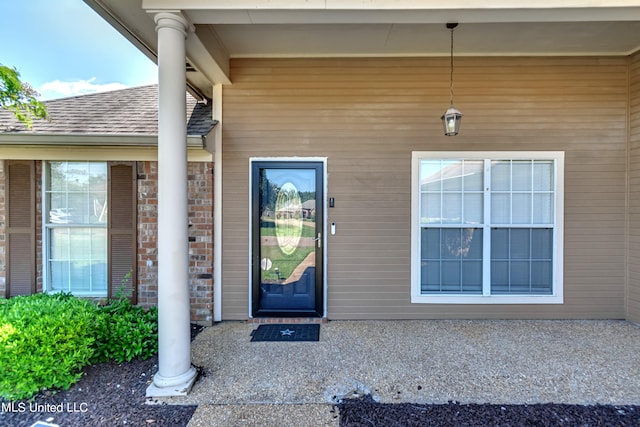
(319, 240)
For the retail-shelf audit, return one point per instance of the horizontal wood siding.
(633, 291)
(367, 116)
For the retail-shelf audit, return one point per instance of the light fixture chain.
(451, 118)
(451, 68)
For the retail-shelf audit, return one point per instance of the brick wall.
(147, 233)
(200, 194)
(200, 236)
(200, 176)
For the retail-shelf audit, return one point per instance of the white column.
(217, 205)
(175, 374)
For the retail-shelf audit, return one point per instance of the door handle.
(319, 240)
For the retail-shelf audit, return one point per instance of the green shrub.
(125, 331)
(45, 340)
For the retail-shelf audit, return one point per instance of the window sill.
(490, 299)
(81, 294)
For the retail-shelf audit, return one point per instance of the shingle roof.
(126, 111)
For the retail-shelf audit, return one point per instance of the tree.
(19, 97)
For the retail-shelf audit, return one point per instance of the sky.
(63, 48)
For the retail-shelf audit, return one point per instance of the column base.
(174, 386)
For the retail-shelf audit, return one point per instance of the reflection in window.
(487, 226)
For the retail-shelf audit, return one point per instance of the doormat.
(286, 332)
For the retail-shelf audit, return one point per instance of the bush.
(125, 331)
(45, 340)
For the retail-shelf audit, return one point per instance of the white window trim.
(558, 254)
(46, 241)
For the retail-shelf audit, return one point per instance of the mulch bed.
(108, 394)
(365, 412)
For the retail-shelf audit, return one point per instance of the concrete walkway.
(264, 383)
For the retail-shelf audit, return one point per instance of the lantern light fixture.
(452, 117)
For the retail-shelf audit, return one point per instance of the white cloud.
(58, 89)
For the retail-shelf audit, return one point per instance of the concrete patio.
(296, 383)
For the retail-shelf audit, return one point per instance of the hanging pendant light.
(452, 117)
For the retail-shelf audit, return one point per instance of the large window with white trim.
(75, 222)
(487, 227)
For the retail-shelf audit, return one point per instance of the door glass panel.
(287, 239)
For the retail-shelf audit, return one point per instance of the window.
(75, 217)
(487, 227)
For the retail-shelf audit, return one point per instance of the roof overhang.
(61, 146)
(83, 139)
(226, 29)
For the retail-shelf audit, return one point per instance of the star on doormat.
(286, 332)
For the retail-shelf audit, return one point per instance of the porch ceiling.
(427, 39)
(280, 28)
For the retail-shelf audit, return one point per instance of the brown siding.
(20, 198)
(633, 291)
(367, 116)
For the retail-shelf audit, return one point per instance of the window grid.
(442, 193)
(530, 191)
(69, 259)
(457, 245)
(89, 284)
(488, 225)
(530, 260)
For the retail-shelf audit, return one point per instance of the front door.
(287, 240)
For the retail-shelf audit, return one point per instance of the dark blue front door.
(287, 217)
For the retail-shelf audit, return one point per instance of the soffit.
(419, 30)
(306, 28)
(473, 39)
